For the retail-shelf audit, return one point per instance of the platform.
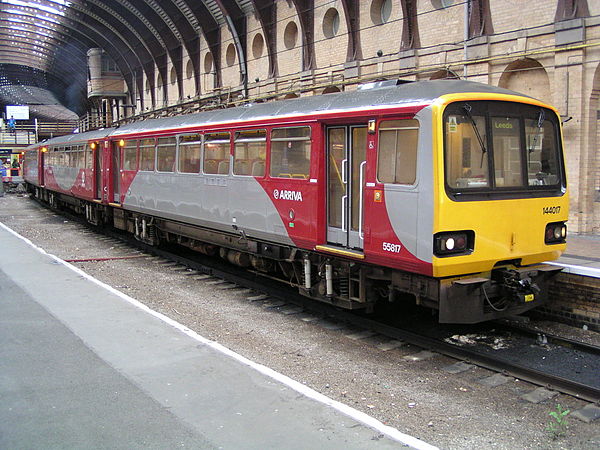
(84, 366)
(582, 256)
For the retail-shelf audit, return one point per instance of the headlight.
(556, 233)
(453, 243)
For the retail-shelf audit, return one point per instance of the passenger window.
(65, 157)
(189, 153)
(397, 160)
(216, 153)
(130, 155)
(87, 156)
(166, 150)
(290, 152)
(147, 149)
(249, 152)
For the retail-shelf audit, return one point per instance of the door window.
(397, 160)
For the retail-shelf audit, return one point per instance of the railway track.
(275, 290)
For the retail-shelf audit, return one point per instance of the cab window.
(290, 152)
(397, 159)
(543, 165)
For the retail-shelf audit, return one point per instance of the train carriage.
(450, 191)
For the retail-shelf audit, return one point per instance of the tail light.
(453, 243)
(556, 233)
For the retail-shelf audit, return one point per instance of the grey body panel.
(65, 177)
(215, 201)
(410, 208)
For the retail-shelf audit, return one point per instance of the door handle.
(344, 212)
(361, 200)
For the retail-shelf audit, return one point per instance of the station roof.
(44, 43)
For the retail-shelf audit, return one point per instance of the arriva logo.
(295, 196)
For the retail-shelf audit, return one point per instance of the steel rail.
(274, 288)
(552, 338)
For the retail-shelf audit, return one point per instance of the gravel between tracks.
(450, 411)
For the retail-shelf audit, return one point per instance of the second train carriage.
(451, 191)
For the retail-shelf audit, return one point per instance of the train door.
(116, 172)
(346, 160)
(98, 171)
(41, 157)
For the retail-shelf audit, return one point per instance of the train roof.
(379, 95)
(419, 92)
(95, 135)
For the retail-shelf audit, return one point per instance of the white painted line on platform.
(578, 270)
(355, 414)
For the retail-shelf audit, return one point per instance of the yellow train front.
(500, 204)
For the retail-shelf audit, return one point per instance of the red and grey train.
(448, 192)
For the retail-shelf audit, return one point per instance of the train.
(446, 193)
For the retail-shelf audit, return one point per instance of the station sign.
(18, 112)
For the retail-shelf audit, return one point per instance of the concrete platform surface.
(582, 256)
(84, 366)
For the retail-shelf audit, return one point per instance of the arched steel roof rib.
(127, 56)
(141, 36)
(117, 45)
(189, 27)
(47, 47)
(57, 33)
(209, 25)
(29, 57)
(236, 22)
(169, 33)
(306, 16)
(15, 19)
(352, 14)
(61, 75)
(146, 42)
(77, 25)
(265, 9)
(151, 45)
(37, 77)
(191, 32)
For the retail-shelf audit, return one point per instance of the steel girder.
(141, 36)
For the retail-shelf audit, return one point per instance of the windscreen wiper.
(467, 109)
(540, 124)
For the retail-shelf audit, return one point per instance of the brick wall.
(567, 53)
(574, 299)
